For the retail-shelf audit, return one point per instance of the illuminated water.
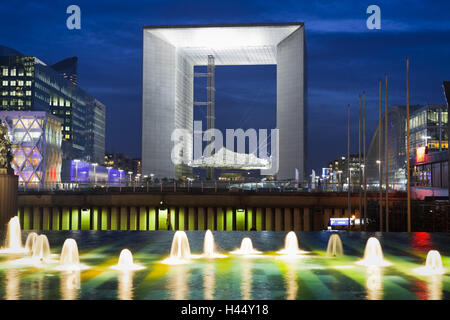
(180, 252)
(433, 264)
(69, 259)
(13, 240)
(209, 247)
(262, 276)
(126, 262)
(291, 245)
(30, 242)
(335, 247)
(373, 254)
(246, 248)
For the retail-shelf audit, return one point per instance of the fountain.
(41, 248)
(31, 241)
(70, 259)
(246, 248)
(180, 251)
(373, 254)
(126, 262)
(433, 264)
(334, 248)
(13, 242)
(291, 245)
(209, 247)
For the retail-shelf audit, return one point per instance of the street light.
(95, 176)
(340, 178)
(426, 140)
(381, 195)
(130, 173)
(76, 169)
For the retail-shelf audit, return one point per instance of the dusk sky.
(344, 58)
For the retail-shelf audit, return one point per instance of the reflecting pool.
(268, 275)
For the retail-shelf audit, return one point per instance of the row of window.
(431, 175)
(14, 83)
(14, 72)
(15, 102)
(431, 117)
(16, 93)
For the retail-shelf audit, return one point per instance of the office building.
(28, 84)
(36, 147)
(429, 148)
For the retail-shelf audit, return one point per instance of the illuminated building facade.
(428, 135)
(170, 54)
(28, 84)
(429, 158)
(36, 147)
(338, 169)
(428, 127)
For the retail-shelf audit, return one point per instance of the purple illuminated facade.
(85, 172)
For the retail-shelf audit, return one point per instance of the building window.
(13, 72)
(20, 83)
(5, 72)
(28, 83)
(5, 83)
(13, 83)
(28, 93)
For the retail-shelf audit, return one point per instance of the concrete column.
(297, 219)
(278, 219)
(258, 219)
(177, 218)
(326, 216)
(288, 219)
(306, 219)
(201, 218)
(210, 218)
(270, 223)
(191, 218)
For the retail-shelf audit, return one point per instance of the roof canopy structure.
(229, 44)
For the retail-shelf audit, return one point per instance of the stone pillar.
(306, 219)
(8, 198)
(326, 216)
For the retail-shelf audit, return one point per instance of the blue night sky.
(344, 58)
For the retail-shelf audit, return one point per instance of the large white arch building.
(169, 56)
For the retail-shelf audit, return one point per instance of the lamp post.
(348, 164)
(381, 196)
(364, 153)
(130, 173)
(360, 169)
(120, 180)
(146, 181)
(340, 181)
(76, 169)
(95, 173)
(407, 144)
(107, 180)
(380, 156)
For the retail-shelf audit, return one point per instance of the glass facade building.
(428, 127)
(28, 84)
(36, 147)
